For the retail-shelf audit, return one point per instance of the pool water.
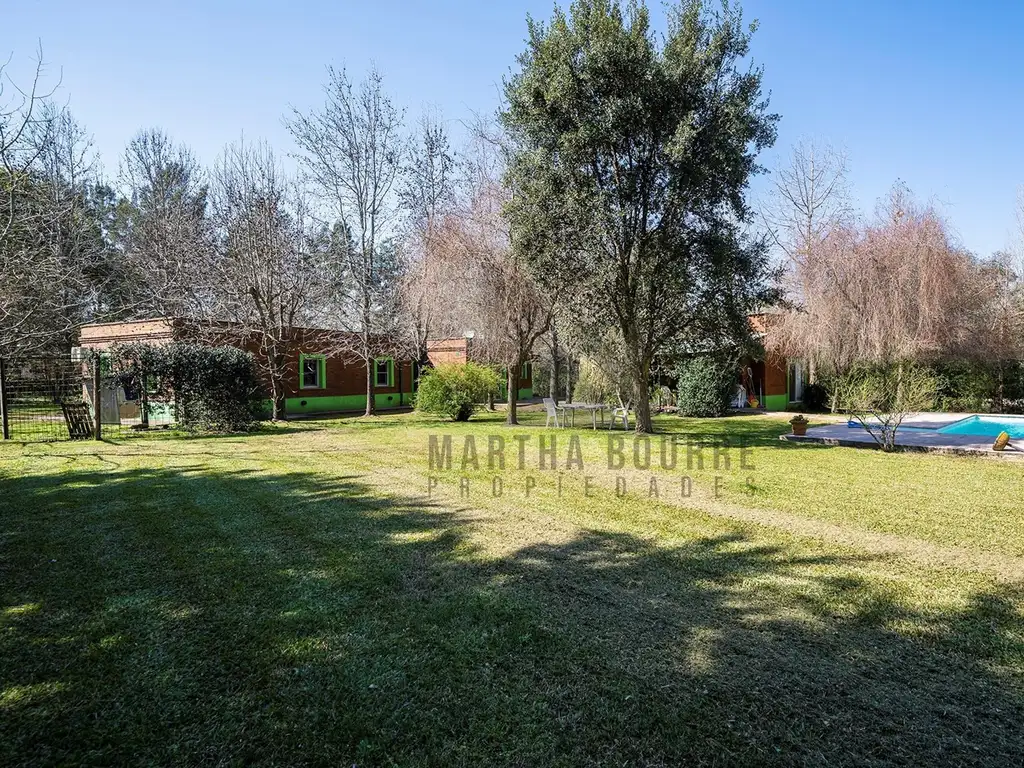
(986, 426)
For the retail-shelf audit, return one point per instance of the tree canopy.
(629, 171)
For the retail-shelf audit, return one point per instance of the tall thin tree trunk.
(277, 371)
(371, 406)
(144, 403)
(277, 405)
(553, 381)
(997, 401)
(512, 382)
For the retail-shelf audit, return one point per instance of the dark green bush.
(815, 397)
(972, 386)
(706, 386)
(215, 389)
(455, 390)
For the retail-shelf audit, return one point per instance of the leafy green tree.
(630, 163)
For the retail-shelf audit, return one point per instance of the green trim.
(338, 403)
(526, 393)
(321, 370)
(776, 402)
(294, 405)
(385, 400)
(391, 371)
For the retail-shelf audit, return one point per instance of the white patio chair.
(620, 412)
(553, 410)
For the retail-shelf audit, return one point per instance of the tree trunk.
(568, 379)
(553, 380)
(642, 408)
(997, 401)
(143, 402)
(512, 382)
(642, 404)
(276, 399)
(371, 406)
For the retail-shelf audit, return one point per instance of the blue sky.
(927, 91)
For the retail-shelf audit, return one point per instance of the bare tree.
(880, 397)
(899, 288)
(997, 337)
(167, 241)
(269, 276)
(65, 193)
(42, 227)
(490, 289)
(427, 193)
(809, 204)
(19, 115)
(352, 149)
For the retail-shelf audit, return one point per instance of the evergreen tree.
(630, 165)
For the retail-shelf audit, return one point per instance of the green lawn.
(295, 597)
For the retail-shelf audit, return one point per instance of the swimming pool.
(986, 426)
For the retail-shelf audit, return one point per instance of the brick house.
(775, 382)
(318, 381)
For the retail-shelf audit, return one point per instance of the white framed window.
(312, 371)
(796, 381)
(384, 372)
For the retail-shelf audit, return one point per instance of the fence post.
(6, 430)
(97, 398)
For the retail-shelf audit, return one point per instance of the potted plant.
(799, 424)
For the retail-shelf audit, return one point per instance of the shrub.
(815, 397)
(213, 388)
(455, 390)
(706, 386)
(881, 396)
(972, 404)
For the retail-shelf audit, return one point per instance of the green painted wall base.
(295, 406)
(776, 402)
(390, 400)
(526, 394)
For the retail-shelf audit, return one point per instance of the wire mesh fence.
(54, 398)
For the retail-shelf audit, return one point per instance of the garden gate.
(44, 398)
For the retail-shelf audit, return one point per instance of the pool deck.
(912, 440)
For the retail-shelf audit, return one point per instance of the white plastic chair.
(552, 411)
(621, 412)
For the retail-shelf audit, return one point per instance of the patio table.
(593, 408)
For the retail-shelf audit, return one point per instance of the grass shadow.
(188, 616)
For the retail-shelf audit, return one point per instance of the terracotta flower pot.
(799, 425)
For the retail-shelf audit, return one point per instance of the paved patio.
(917, 433)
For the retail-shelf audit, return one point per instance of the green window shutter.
(321, 372)
(389, 369)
